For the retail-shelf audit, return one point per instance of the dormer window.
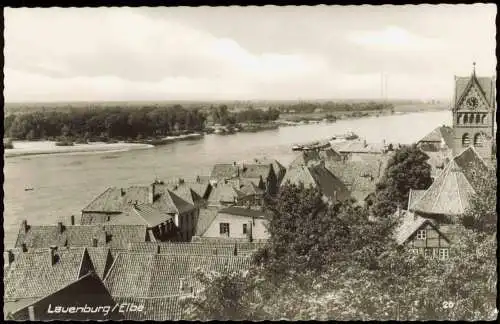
(421, 235)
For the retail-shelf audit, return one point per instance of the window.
(444, 254)
(478, 118)
(483, 119)
(421, 235)
(428, 253)
(465, 140)
(414, 251)
(466, 119)
(478, 140)
(245, 228)
(224, 229)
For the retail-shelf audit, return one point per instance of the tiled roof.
(410, 223)
(155, 308)
(226, 240)
(414, 196)
(183, 248)
(439, 134)
(360, 176)
(205, 218)
(158, 275)
(224, 171)
(114, 199)
(102, 259)
(151, 215)
(110, 235)
(319, 177)
(33, 275)
(190, 192)
(330, 154)
(304, 157)
(485, 83)
(255, 171)
(450, 192)
(224, 192)
(242, 212)
(250, 188)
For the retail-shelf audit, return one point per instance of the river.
(65, 183)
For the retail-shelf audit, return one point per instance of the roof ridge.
(99, 196)
(458, 190)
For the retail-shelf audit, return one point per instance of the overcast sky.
(244, 53)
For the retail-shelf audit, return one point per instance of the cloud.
(394, 38)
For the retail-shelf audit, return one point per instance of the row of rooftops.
(145, 270)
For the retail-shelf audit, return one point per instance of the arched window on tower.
(483, 119)
(466, 119)
(465, 140)
(458, 118)
(478, 140)
(478, 118)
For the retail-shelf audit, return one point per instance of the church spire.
(473, 68)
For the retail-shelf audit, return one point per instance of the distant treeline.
(222, 115)
(104, 123)
(330, 106)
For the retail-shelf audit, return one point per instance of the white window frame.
(414, 251)
(444, 253)
(421, 234)
(429, 253)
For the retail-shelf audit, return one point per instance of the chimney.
(94, 242)
(72, 219)
(122, 192)
(60, 227)
(250, 229)
(24, 247)
(234, 163)
(53, 256)
(198, 179)
(10, 256)
(151, 193)
(364, 143)
(24, 226)
(31, 312)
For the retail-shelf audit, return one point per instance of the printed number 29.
(448, 304)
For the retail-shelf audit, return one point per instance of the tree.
(481, 215)
(406, 169)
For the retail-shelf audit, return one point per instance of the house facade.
(238, 223)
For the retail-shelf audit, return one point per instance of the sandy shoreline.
(22, 148)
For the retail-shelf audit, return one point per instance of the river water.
(65, 183)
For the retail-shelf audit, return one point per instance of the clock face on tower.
(472, 102)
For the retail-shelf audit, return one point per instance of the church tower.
(473, 109)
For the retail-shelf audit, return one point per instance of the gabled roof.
(360, 176)
(205, 218)
(90, 289)
(115, 199)
(110, 235)
(463, 84)
(318, 176)
(228, 240)
(410, 223)
(240, 211)
(33, 275)
(450, 192)
(439, 134)
(191, 192)
(158, 275)
(304, 157)
(256, 171)
(250, 188)
(225, 192)
(151, 215)
(222, 171)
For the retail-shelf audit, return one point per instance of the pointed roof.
(409, 224)
(463, 84)
(450, 192)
